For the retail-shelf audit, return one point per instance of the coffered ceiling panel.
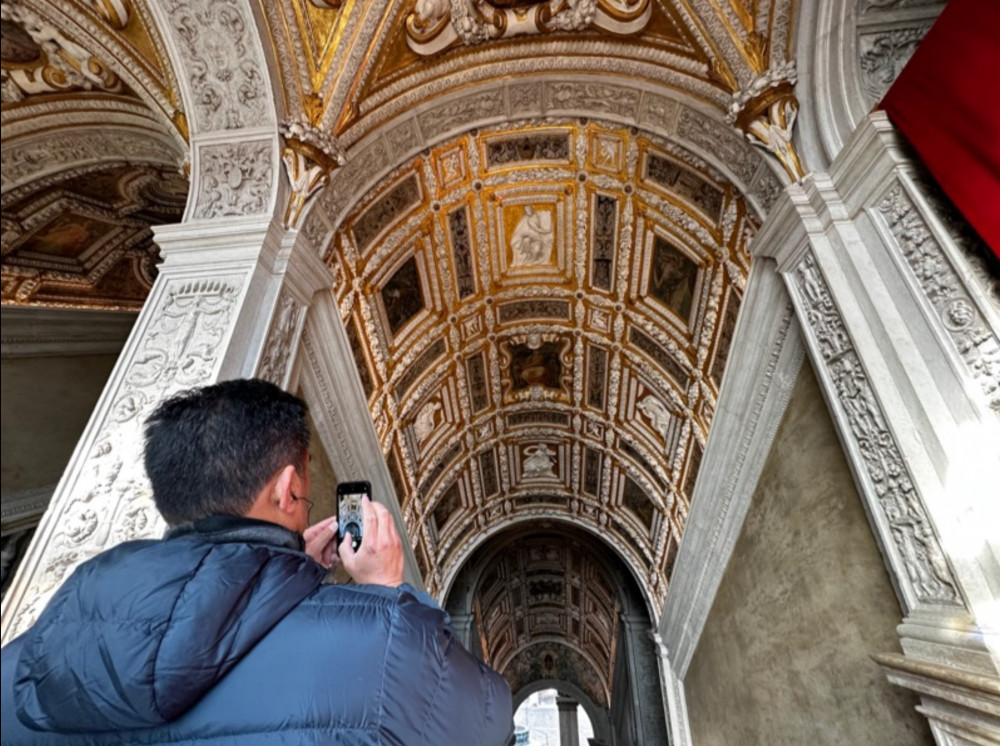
(93, 140)
(541, 315)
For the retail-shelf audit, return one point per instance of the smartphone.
(350, 519)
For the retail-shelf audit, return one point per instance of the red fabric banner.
(946, 102)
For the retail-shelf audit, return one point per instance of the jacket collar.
(224, 529)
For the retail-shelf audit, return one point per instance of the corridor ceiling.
(538, 237)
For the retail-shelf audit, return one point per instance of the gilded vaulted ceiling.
(539, 245)
(93, 139)
(541, 315)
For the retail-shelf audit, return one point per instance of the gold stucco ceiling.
(93, 136)
(542, 315)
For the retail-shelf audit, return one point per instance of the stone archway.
(552, 606)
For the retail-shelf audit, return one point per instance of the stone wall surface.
(46, 404)
(784, 658)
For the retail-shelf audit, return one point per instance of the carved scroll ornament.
(924, 572)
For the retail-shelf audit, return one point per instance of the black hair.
(210, 451)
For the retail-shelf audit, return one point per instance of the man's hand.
(379, 559)
(321, 542)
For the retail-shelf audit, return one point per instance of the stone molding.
(198, 326)
(675, 701)
(759, 378)
(23, 509)
(53, 154)
(903, 339)
(963, 708)
(340, 412)
(44, 332)
(849, 52)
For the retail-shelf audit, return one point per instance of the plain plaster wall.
(784, 656)
(46, 402)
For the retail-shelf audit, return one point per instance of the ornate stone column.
(569, 727)
(647, 701)
(903, 335)
(208, 318)
(675, 703)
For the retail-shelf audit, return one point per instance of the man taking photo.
(223, 632)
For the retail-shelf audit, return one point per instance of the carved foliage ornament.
(436, 24)
(925, 570)
(110, 501)
(309, 155)
(976, 343)
(234, 179)
(765, 112)
(63, 64)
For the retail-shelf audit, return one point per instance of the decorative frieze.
(968, 331)
(924, 567)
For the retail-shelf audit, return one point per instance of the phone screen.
(349, 516)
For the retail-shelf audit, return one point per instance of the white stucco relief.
(109, 500)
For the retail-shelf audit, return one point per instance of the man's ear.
(284, 488)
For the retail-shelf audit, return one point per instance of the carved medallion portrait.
(672, 278)
(533, 237)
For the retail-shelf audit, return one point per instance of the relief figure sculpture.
(531, 242)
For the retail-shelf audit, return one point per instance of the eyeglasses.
(306, 500)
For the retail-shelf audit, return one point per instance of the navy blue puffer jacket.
(224, 634)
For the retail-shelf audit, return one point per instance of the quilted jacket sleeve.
(435, 691)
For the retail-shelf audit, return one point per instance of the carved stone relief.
(234, 179)
(225, 71)
(975, 342)
(434, 25)
(274, 361)
(924, 568)
(882, 56)
(110, 500)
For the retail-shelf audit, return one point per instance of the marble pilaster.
(903, 334)
(204, 321)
